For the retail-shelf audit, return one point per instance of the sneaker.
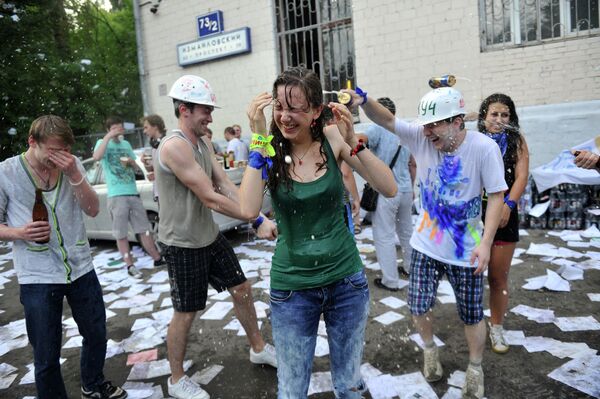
(432, 368)
(267, 356)
(473, 387)
(186, 389)
(499, 344)
(134, 272)
(161, 262)
(379, 284)
(105, 391)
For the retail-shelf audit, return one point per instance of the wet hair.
(327, 114)
(112, 120)
(388, 103)
(176, 104)
(513, 129)
(156, 121)
(47, 126)
(310, 85)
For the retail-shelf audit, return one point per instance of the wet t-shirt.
(449, 225)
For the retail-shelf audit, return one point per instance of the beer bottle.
(40, 213)
(225, 163)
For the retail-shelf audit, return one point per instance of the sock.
(497, 327)
(429, 345)
(476, 364)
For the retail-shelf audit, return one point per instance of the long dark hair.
(308, 82)
(513, 129)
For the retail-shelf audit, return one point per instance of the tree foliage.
(70, 58)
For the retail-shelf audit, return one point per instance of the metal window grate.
(317, 34)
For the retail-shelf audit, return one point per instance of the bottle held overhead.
(442, 81)
(39, 212)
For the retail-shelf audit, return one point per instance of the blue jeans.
(295, 318)
(43, 304)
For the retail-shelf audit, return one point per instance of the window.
(317, 34)
(524, 22)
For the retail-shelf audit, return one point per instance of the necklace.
(46, 182)
(303, 155)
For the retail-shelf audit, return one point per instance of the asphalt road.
(517, 374)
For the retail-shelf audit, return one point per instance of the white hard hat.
(440, 104)
(193, 89)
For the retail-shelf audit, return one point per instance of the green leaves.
(69, 58)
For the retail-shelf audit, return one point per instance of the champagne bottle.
(40, 213)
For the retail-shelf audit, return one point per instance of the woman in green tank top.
(316, 268)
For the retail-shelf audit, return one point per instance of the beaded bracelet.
(359, 147)
(78, 183)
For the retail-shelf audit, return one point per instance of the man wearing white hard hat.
(191, 183)
(454, 166)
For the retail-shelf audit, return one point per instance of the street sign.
(210, 24)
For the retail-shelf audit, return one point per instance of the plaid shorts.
(425, 274)
(192, 269)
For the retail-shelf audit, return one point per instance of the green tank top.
(314, 246)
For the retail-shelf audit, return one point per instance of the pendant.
(300, 162)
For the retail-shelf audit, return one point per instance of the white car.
(100, 227)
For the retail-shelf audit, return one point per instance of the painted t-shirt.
(120, 180)
(449, 225)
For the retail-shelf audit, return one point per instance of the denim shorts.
(192, 269)
(425, 275)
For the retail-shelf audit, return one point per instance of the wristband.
(511, 204)
(257, 161)
(259, 220)
(78, 183)
(361, 93)
(260, 141)
(359, 147)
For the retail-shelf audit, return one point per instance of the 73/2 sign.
(211, 23)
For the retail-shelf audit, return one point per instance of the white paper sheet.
(457, 378)
(534, 314)
(206, 375)
(320, 382)
(539, 209)
(587, 323)
(419, 341)
(322, 347)
(393, 302)
(388, 318)
(217, 311)
(594, 297)
(582, 374)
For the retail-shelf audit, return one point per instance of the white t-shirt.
(449, 224)
(239, 148)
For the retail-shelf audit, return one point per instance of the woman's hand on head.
(256, 113)
(344, 121)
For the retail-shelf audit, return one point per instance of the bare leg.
(123, 246)
(475, 335)
(500, 259)
(243, 305)
(424, 324)
(177, 336)
(149, 246)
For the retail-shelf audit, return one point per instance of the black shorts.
(192, 269)
(508, 233)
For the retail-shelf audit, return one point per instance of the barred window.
(508, 23)
(317, 34)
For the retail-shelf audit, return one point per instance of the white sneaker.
(186, 389)
(473, 387)
(499, 344)
(134, 272)
(432, 368)
(267, 356)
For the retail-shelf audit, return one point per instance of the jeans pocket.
(358, 280)
(280, 295)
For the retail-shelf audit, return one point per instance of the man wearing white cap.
(192, 182)
(454, 166)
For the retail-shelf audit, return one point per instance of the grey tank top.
(184, 220)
